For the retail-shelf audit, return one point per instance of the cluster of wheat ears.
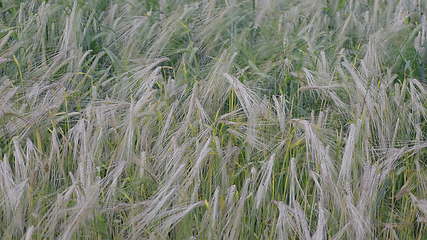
(213, 119)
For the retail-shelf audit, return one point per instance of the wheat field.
(213, 119)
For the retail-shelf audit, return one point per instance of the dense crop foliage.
(213, 119)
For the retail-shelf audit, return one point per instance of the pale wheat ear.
(266, 172)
